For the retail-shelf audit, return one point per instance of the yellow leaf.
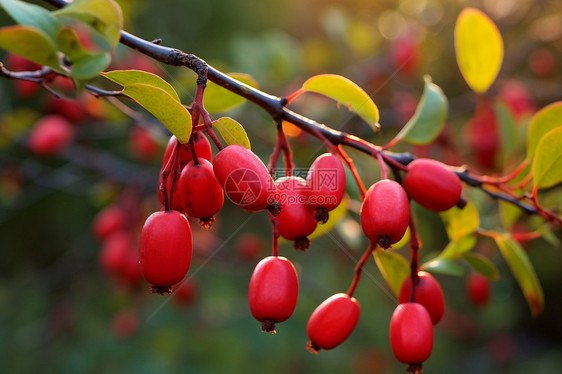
(479, 49)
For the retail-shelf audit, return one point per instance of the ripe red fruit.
(201, 194)
(332, 322)
(478, 289)
(385, 213)
(326, 183)
(405, 55)
(543, 63)
(411, 333)
(483, 136)
(296, 220)
(249, 246)
(108, 221)
(273, 291)
(428, 293)
(165, 249)
(516, 95)
(124, 324)
(200, 143)
(245, 179)
(50, 135)
(119, 259)
(186, 292)
(432, 185)
(142, 144)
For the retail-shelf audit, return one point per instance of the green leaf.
(104, 16)
(393, 267)
(456, 248)
(443, 266)
(164, 107)
(32, 15)
(346, 92)
(545, 120)
(128, 77)
(479, 49)
(218, 99)
(460, 222)
(85, 64)
(482, 265)
(523, 272)
(31, 43)
(232, 132)
(547, 164)
(429, 118)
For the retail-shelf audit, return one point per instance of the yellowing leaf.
(164, 107)
(429, 118)
(547, 164)
(346, 92)
(218, 99)
(232, 132)
(104, 16)
(523, 272)
(455, 249)
(127, 77)
(393, 267)
(479, 49)
(546, 119)
(31, 43)
(460, 222)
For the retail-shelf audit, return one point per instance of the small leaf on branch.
(104, 16)
(429, 118)
(523, 271)
(348, 93)
(164, 107)
(443, 266)
(460, 222)
(128, 77)
(482, 265)
(393, 267)
(479, 49)
(547, 164)
(232, 132)
(218, 99)
(457, 248)
(545, 120)
(32, 15)
(31, 43)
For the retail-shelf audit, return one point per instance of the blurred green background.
(61, 313)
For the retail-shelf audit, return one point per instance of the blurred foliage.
(61, 313)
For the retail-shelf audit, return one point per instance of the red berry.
(245, 179)
(385, 213)
(428, 293)
(113, 253)
(249, 246)
(50, 135)
(186, 292)
(201, 194)
(165, 249)
(405, 55)
(71, 109)
(109, 220)
(411, 333)
(483, 136)
(125, 324)
(543, 63)
(432, 185)
(185, 155)
(332, 322)
(516, 95)
(296, 220)
(326, 182)
(273, 291)
(478, 289)
(142, 144)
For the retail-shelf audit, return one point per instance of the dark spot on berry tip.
(268, 326)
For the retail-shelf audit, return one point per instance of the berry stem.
(166, 172)
(351, 165)
(275, 235)
(359, 269)
(382, 164)
(415, 245)
(281, 145)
